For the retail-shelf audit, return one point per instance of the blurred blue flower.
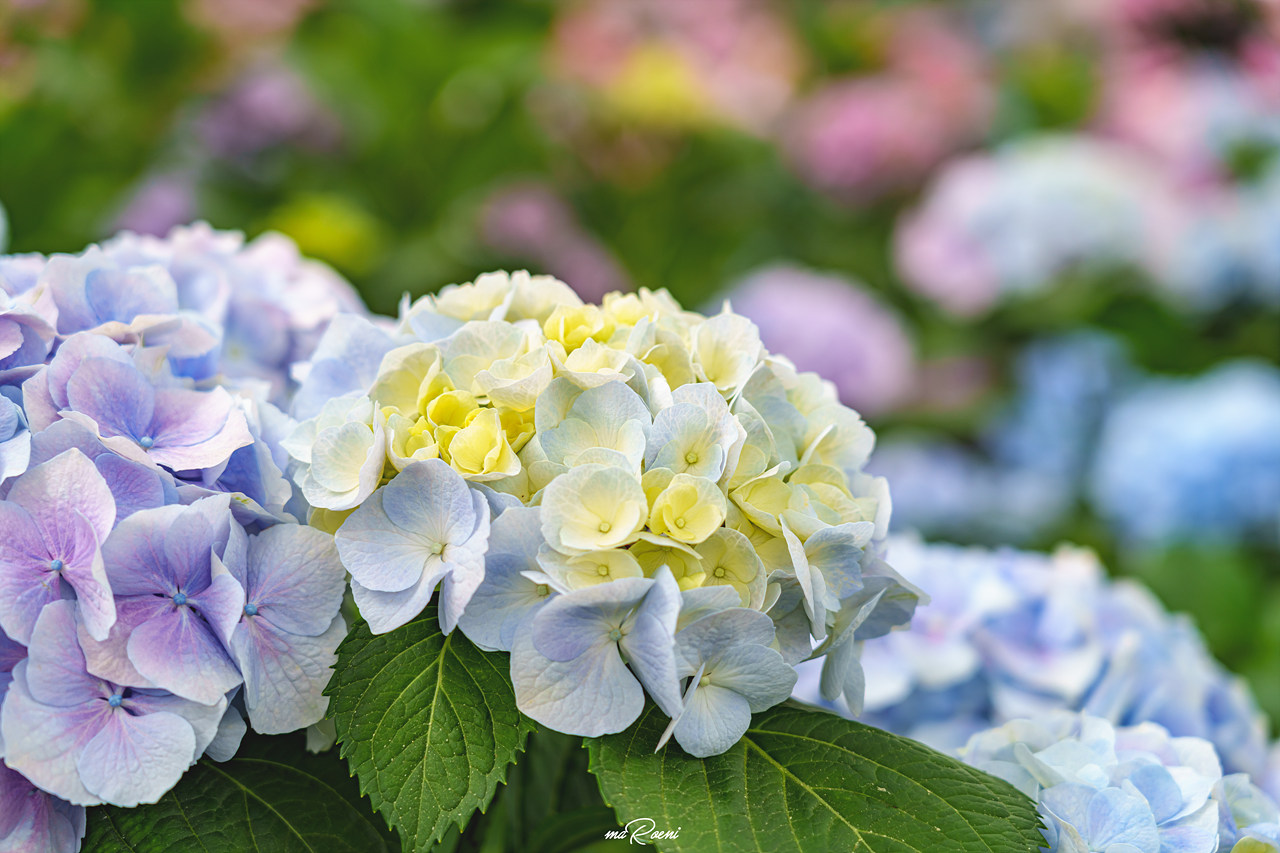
(1028, 469)
(1194, 458)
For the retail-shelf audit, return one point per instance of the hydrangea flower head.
(1102, 788)
(567, 474)
(1010, 634)
(150, 569)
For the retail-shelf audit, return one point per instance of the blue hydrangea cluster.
(1158, 459)
(156, 588)
(632, 499)
(1137, 789)
(1033, 458)
(1199, 454)
(1010, 634)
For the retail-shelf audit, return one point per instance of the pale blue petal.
(386, 611)
(285, 674)
(505, 598)
(571, 624)
(231, 732)
(136, 759)
(649, 645)
(715, 720)
(592, 695)
(294, 578)
(756, 673)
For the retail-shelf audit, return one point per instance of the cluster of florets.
(626, 497)
(155, 589)
(1134, 788)
(1010, 634)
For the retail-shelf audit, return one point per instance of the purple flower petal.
(115, 395)
(222, 603)
(136, 759)
(41, 742)
(27, 583)
(30, 819)
(57, 675)
(179, 652)
(54, 491)
(108, 659)
(134, 553)
(294, 579)
(196, 429)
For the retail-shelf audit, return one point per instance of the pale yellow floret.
(480, 450)
(762, 500)
(409, 378)
(728, 558)
(595, 567)
(684, 563)
(573, 325)
(688, 510)
(451, 409)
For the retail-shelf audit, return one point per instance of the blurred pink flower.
(833, 326)
(862, 138)
(743, 59)
(529, 221)
(1186, 102)
(248, 18)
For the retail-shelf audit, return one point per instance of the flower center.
(680, 522)
(114, 700)
(180, 598)
(251, 609)
(691, 457)
(146, 442)
(543, 590)
(615, 635)
(605, 527)
(437, 548)
(602, 570)
(704, 681)
(55, 565)
(719, 572)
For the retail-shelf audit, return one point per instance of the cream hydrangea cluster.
(629, 497)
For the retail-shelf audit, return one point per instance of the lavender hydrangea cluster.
(1012, 634)
(1134, 788)
(631, 499)
(157, 593)
(824, 321)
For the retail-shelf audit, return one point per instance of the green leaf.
(273, 797)
(805, 780)
(428, 723)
